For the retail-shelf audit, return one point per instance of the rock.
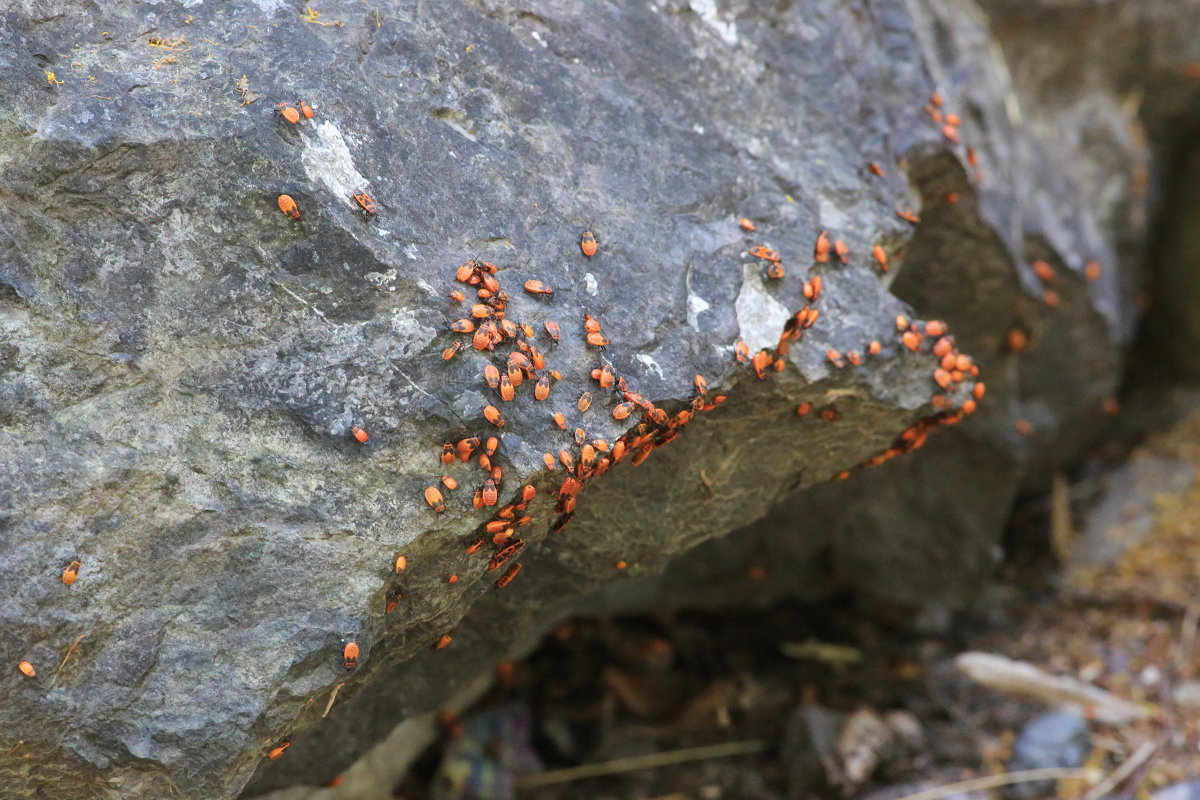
(1188, 790)
(182, 366)
(483, 762)
(1053, 739)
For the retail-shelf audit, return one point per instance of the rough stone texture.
(180, 365)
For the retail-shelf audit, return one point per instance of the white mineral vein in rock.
(760, 317)
(327, 160)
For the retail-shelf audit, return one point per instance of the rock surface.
(181, 364)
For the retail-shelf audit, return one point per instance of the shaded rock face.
(181, 364)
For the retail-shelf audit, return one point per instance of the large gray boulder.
(181, 365)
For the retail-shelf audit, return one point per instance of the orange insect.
(567, 459)
(741, 352)
(306, 109)
(360, 435)
(912, 340)
(880, 257)
(508, 576)
(537, 287)
(607, 377)
(622, 564)
(401, 563)
(1050, 298)
(289, 112)
(364, 200)
(451, 351)
(747, 225)
(288, 206)
(27, 669)
(765, 253)
(71, 573)
(553, 329)
(435, 499)
(350, 655)
(452, 579)
(490, 493)
(874, 347)
(457, 296)
(492, 376)
(853, 357)
(935, 328)
(776, 271)
(597, 340)
(462, 326)
(875, 168)
(1024, 427)
(507, 392)
(443, 642)
(466, 447)
(587, 243)
(1016, 340)
(591, 324)
(480, 311)
(276, 752)
(821, 248)
(1091, 270)
(830, 414)
(449, 482)
(951, 133)
(1043, 270)
(585, 401)
(842, 251)
(516, 375)
(760, 362)
(542, 390)
(908, 216)
(492, 415)
(580, 436)
(447, 453)
(979, 390)
(803, 409)
(622, 410)
(549, 461)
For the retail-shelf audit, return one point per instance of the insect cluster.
(489, 332)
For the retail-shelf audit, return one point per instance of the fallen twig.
(1006, 779)
(70, 650)
(1117, 776)
(1024, 679)
(633, 763)
(332, 697)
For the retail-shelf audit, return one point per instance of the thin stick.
(1007, 779)
(70, 650)
(633, 763)
(332, 697)
(1139, 757)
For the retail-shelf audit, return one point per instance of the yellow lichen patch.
(53, 79)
